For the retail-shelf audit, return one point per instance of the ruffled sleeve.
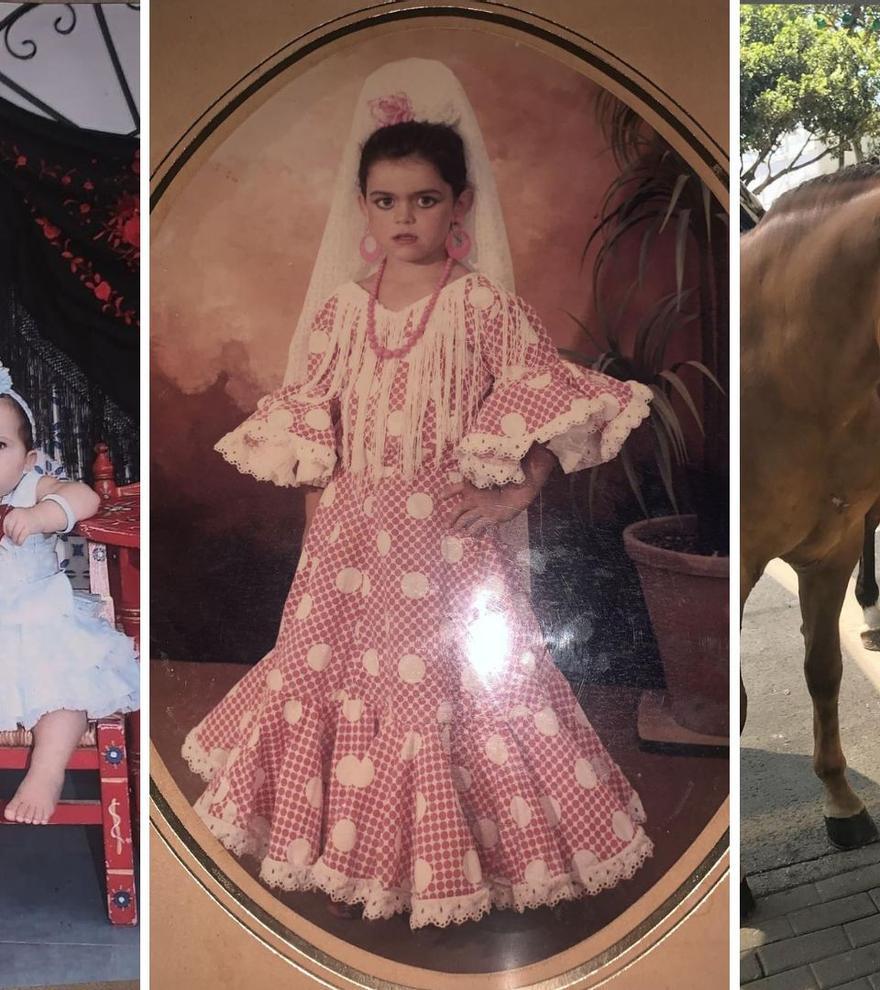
(292, 437)
(581, 415)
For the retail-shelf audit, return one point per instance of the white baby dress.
(54, 651)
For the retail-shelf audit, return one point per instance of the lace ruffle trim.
(488, 459)
(278, 456)
(383, 902)
(197, 758)
(380, 901)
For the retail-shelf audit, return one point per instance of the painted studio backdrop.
(231, 259)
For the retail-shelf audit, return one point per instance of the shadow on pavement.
(782, 820)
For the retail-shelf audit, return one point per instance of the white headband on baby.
(6, 389)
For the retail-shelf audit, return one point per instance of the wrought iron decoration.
(23, 47)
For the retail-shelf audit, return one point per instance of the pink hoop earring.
(458, 243)
(369, 248)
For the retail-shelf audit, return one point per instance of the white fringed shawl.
(446, 381)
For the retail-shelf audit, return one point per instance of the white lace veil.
(422, 90)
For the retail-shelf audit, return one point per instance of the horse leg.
(822, 587)
(747, 581)
(749, 574)
(867, 592)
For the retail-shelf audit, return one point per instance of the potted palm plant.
(658, 206)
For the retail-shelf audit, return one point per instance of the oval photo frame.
(700, 874)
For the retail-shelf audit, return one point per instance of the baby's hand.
(482, 508)
(19, 524)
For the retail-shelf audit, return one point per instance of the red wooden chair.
(103, 747)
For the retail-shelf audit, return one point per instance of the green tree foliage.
(813, 66)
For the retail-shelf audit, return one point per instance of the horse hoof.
(853, 832)
(746, 900)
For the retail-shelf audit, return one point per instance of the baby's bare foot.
(36, 798)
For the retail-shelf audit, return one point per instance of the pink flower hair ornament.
(396, 108)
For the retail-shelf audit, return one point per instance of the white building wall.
(791, 144)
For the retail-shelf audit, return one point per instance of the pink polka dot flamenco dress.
(408, 743)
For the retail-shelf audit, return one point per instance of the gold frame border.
(324, 958)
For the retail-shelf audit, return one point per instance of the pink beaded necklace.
(398, 352)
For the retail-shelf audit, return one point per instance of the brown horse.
(810, 428)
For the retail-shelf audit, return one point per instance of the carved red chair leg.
(116, 822)
(114, 566)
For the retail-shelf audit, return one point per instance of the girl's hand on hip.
(480, 509)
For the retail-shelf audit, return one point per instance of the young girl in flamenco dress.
(408, 744)
(61, 664)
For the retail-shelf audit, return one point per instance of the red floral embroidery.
(113, 218)
(123, 227)
(91, 279)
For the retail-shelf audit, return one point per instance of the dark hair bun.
(438, 144)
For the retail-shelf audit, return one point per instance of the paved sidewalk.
(817, 924)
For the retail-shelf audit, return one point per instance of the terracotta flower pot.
(687, 596)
